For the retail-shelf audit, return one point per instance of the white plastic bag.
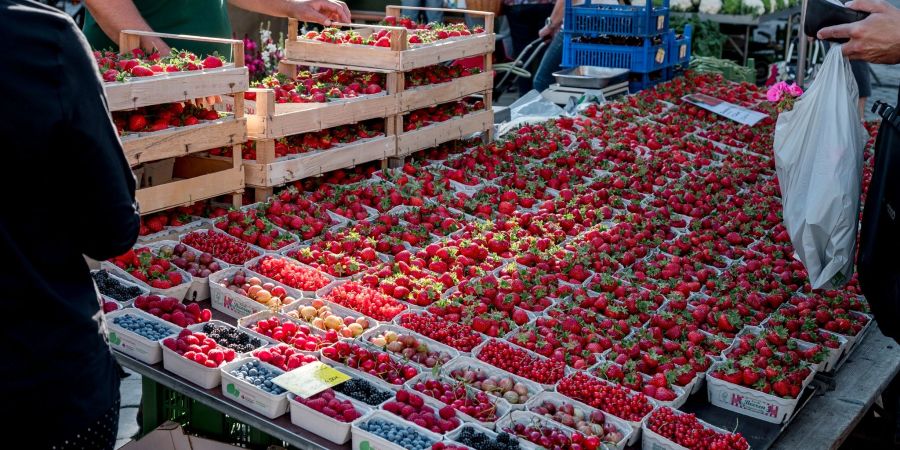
(818, 158)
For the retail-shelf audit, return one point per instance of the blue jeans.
(432, 16)
(543, 78)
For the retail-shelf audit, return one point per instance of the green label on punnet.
(114, 339)
(231, 389)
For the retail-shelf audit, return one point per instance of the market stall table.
(825, 422)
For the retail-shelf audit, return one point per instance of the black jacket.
(67, 191)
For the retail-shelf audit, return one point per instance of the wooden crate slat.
(367, 56)
(190, 190)
(285, 171)
(308, 117)
(434, 135)
(430, 95)
(175, 87)
(181, 141)
(447, 50)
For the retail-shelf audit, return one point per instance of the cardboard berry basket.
(251, 266)
(321, 425)
(835, 355)
(433, 346)
(653, 441)
(199, 289)
(502, 407)
(246, 394)
(400, 55)
(364, 440)
(121, 280)
(756, 331)
(452, 437)
(853, 341)
(133, 344)
(205, 377)
(469, 363)
(750, 402)
(244, 324)
(228, 301)
(178, 292)
(681, 392)
(430, 402)
(558, 399)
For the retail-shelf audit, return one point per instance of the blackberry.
(232, 338)
(363, 391)
(112, 288)
(482, 441)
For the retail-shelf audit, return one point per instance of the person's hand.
(547, 32)
(319, 11)
(150, 43)
(875, 39)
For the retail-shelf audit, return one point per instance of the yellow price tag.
(660, 22)
(660, 56)
(310, 379)
(682, 51)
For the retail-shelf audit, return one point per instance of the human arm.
(319, 11)
(109, 219)
(113, 16)
(875, 39)
(555, 20)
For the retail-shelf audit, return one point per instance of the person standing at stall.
(209, 18)
(70, 193)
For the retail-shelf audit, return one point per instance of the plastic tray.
(322, 425)
(246, 394)
(653, 441)
(501, 405)
(558, 399)
(205, 377)
(680, 49)
(133, 344)
(364, 440)
(294, 292)
(244, 324)
(454, 435)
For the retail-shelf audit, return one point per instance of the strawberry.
(211, 62)
(141, 71)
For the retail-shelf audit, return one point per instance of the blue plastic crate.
(680, 49)
(643, 59)
(593, 19)
(639, 82)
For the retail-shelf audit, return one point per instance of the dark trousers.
(524, 23)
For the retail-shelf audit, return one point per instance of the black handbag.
(879, 249)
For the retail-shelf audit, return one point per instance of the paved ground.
(889, 77)
(130, 391)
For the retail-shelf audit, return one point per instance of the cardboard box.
(170, 436)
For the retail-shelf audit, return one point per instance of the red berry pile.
(412, 407)
(686, 431)
(326, 403)
(220, 245)
(365, 300)
(319, 87)
(136, 63)
(476, 405)
(161, 117)
(453, 334)
(289, 272)
(521, 363)
(284, 357)
(608, 397)
(199, 348)
(253, 228)
(172, 310)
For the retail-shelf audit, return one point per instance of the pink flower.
(774, 94)
(795, 90)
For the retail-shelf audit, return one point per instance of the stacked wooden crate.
(192, 178)
(269, 120)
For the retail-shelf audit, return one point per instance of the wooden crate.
(400, 56)
(286, 170)
(430, 95)
(194, 179)
(180, 141)
(269, 120)
(438, 133)
(177, 86)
